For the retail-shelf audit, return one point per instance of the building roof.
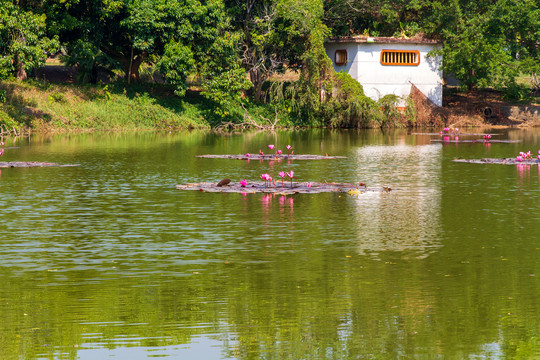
(381, 40)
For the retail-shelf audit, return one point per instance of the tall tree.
(132, 32)
(23, 44)
(274, 35)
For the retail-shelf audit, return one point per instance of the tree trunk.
(21, 73)
(132, 66)
(257, 78)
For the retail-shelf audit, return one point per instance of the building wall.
(364, 64)
(352, 52)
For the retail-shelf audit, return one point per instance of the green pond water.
(109, 260)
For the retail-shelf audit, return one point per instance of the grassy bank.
(43, 106)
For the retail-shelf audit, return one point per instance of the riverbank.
(47, 107)
(62, 105)
(489, 108)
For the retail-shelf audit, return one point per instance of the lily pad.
(271, 157)
(25, 164)
(303, 188)
(507, 161)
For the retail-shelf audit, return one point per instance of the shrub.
(56, 98)
(517, 92)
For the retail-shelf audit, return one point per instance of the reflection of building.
(389, 65)
(406, 220)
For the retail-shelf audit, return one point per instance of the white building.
(389, 65)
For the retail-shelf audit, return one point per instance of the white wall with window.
(389, 66)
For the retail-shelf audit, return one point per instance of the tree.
(131, 32)
(274, 35)
(471, 55)
(23, 44)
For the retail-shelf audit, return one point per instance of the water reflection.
(109, 259)
(406, 220)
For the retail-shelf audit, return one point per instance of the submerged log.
(507, 161)
(285, 188)
(271, 157)
(25, 164)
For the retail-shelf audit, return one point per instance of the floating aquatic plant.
(282, 174)
(267, 178)
(291, 175)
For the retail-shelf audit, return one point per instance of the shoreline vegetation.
(44, 106)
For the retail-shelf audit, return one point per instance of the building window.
(340, 57)
(400, 57)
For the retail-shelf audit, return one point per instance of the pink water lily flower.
(291, 175)
(243, 183)
(289, 147)
(308, 184)
(248, 154)
(519, 158)
(279, 152)
(265, 177)
(271, 147)
(282, 174)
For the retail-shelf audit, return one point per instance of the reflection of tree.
(164, 268)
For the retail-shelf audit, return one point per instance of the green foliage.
(274, 35)
(176, 64)
(308, 93)
(72, 107)
(23, 44)
(531, 67)
(348, 106)
(224, 80)
(89, 61)
(7, 121)
(476, 58)
(124, 34)
(56, 98)
(517, 92)
(389, 114)
(2, 96)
